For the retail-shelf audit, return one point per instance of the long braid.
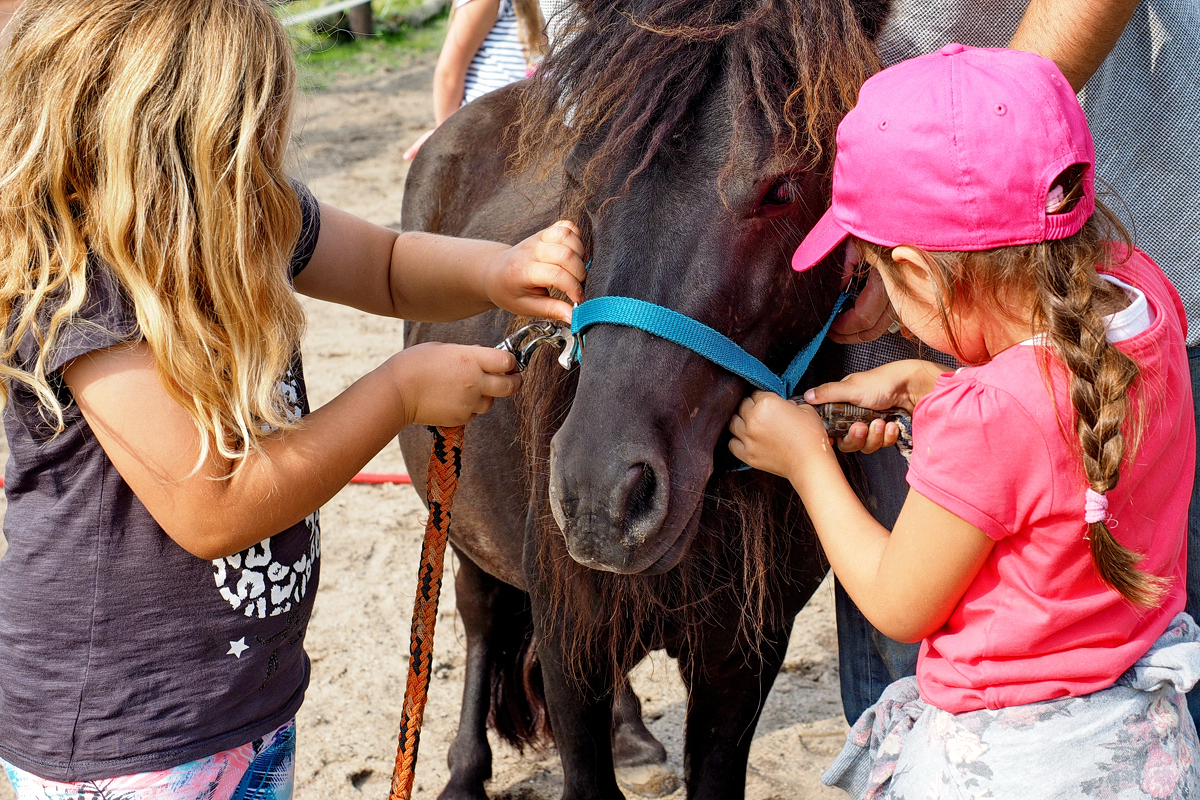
(1071, 301)
(1100, 379)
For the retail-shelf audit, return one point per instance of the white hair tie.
(1095, 506)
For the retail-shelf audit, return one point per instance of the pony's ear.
(872, 14)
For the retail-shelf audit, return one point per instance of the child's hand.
(900, 384)
(411, 152)
(779, 436)
(449, 384)
(521, 279)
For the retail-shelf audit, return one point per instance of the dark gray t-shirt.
(120, 652)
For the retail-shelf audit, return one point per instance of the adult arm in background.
(1077, 35)
(468, 28)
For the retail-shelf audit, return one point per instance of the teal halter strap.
(699, 338)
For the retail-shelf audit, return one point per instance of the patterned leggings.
(264, 769)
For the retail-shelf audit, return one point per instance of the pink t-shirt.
(1038, 623)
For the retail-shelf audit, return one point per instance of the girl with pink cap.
(1040, 554)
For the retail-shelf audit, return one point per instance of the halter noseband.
(718, 348)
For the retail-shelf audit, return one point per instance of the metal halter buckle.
(523, 342)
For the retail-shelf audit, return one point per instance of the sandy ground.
(351, 136)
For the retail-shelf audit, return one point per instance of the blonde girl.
(489, 44)
(1040, 554)
(165, 471)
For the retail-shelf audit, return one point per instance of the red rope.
(362, 477)
(381, 477)
(444, 464)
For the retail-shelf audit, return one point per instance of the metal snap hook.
(523, 342)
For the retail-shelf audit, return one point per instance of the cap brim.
(820, 241)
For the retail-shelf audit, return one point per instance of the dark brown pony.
(599, 516)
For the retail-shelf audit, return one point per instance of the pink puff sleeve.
(980, 454)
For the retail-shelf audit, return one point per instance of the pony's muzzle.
(611, 512)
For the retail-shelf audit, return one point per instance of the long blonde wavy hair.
(151, 135)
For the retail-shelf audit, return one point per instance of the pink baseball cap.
(956, 150)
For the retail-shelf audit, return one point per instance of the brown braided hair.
(1070, 300)
(530, 28)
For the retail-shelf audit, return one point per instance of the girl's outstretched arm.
(907, 581)
(469, 27)
(423, 276)
(214, 511)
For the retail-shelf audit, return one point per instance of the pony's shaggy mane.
(624, 76)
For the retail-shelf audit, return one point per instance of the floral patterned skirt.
(1134, 739)
(264, 769)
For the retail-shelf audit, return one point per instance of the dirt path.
(352, 135)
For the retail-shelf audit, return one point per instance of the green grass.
(323, 56)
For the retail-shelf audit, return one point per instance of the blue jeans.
(869, 661)
(1193, 542)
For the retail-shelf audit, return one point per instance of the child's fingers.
(560, 259)
(891, 434)
(496, 362)
(550, 274)
(865, 389)
(842, 391)
(564, 235)
(564, 227)
(868, 439)
(738, 448)
(875, 436)
(737, 426)
(855, 439)
(500, 385)
(482, 406)
(547, 308)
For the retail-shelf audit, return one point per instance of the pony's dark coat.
(695, 139)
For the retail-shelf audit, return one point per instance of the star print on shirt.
(238, 647)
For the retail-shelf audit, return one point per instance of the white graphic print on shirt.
(252, 581)
(258, 586)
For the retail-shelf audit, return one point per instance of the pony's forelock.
(624, 76)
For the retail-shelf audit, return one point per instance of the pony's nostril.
(640, 503)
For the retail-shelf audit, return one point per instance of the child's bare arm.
(423, 276)
(214, 511)
(906, 582)
(468, 28)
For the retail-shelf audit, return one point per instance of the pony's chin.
(678, 548)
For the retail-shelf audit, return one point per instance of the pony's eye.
(782, 192)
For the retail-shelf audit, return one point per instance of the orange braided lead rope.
(444, 464)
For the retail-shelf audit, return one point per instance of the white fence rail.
(326, 10)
